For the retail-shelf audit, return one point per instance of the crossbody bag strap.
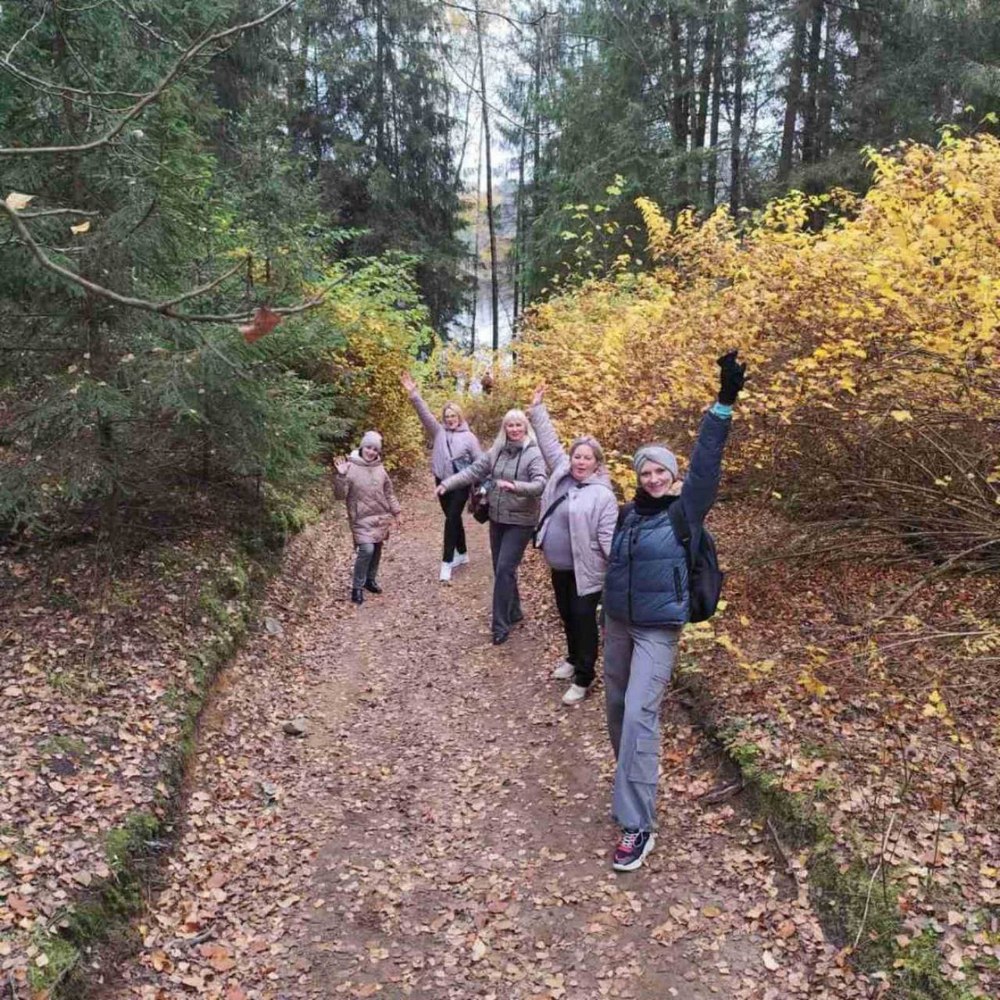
(550, 512)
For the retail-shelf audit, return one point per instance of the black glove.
(731, 378)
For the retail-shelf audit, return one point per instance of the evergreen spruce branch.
(153, 95)
(165, 308)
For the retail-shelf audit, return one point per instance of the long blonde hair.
(501, 439)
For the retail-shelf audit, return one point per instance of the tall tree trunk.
(736, 150)
(536, 152)
(519, 225)
(700, 120)
(678, 117)
(810, 119)
(793, 92)
(494, 277)
(829, 82)
(711, 180)
(379, 85)
(705, 77)
(475, 237)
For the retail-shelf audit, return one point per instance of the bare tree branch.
(188, 56)
(512, 21)
(41, 212)
(148, 28)
(165, 308)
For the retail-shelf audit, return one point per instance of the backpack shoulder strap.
(681, 529)
(623, 513)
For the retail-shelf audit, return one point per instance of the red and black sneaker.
(633, 846)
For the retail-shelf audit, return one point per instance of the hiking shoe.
(499, 638)
(575, 694)
(445, 576)
(516, 616)
(461, 559)
(564, 671)
(372, 587)
(357, 595)
(633, 846)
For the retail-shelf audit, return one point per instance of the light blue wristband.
(722, 410)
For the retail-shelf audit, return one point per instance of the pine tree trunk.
(475, 238)
(379, 85)
(711, 180)
(793, 92)
(736, 151)
(704, 87)
(519, 226)
(810, 120)
(536, 152)
(829, 82)
(678, 117)
(494, 279)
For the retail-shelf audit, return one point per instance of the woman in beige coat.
(372, 509)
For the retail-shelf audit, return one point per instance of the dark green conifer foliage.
(121, 417)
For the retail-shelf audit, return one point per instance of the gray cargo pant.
(507, 545)
(638, 663)
(366, 564)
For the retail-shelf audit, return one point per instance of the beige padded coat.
(371, 500)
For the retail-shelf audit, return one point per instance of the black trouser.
(507, 545)
(453, 504)
(579, 618)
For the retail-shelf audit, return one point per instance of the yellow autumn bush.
(874, 344)
(383, 326)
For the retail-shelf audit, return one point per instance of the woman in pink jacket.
(454, 448)
(372, 509)
(578, 517)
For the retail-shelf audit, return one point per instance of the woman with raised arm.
(372, 509)
(512, 473)
(578, 515)
(647, 603)
(455, 447)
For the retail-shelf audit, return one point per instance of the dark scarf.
(647, 506)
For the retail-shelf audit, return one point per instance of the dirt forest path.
(442, 829)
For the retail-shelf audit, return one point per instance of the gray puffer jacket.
(523, 465)
(371, 500)
(592, 507)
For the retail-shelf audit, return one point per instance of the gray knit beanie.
(372, 439)
(658, 453)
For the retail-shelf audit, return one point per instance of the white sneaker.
(564, 670)
(575, 694)
(445, 576)
(461, 559)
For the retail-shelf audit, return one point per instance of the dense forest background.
(200, 159)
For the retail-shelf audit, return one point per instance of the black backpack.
(704, 576)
